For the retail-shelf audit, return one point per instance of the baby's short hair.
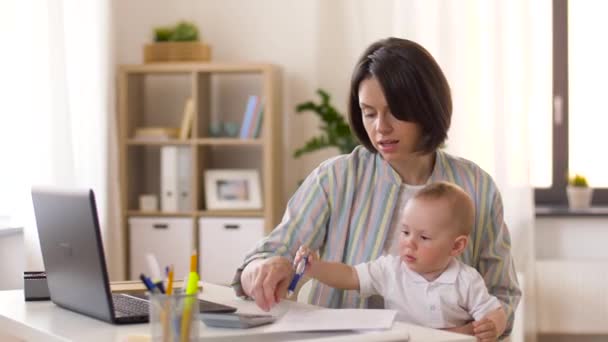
(463, 208)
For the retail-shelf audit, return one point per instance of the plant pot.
(579, 197)
(177, 52)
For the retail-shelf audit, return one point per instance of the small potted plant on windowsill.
(579, 193)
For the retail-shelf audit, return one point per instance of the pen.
(170, 281)
(296, 277)
(159, 285)
(149, 285)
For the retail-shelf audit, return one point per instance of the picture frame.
(233, 189)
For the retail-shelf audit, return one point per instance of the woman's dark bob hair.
(415, 88)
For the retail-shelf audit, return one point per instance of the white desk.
(44, 321)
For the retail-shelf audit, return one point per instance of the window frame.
(555, 195)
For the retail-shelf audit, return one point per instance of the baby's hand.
(302, 252)
(485, 330)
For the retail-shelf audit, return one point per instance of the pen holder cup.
(174, 318)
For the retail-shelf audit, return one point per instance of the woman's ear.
(460, 243)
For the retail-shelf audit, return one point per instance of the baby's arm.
(489, 314)
(491, 325)
(334, 274)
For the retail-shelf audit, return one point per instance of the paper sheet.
(334, 319)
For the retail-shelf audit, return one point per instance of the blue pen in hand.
(296, 277)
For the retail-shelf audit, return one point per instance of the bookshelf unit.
(141, 89)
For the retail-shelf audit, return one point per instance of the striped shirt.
(345, 208)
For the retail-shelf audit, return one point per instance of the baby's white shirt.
(456, 297)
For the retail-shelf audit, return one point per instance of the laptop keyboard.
(129, 306)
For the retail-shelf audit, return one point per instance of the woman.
(348, 208)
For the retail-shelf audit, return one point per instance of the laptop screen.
(72, 251)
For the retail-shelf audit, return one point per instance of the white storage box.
(223, 243)
(171, 240)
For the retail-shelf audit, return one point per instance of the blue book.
(257, 127)
(254, 120)
(248, 116)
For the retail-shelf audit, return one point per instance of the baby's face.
(427, 235)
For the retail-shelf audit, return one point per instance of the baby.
(425, 283)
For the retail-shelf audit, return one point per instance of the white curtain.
(55, 105)
(497, 57)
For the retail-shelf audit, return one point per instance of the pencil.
(170, 281)
(193, 260)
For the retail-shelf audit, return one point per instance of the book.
(248, 115)
(156, 133)
(257, 126)
(254, 120)
(187, 120)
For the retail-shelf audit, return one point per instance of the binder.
(176, 186)
(184, 185)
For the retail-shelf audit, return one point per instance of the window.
(580, 116)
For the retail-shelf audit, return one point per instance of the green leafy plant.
(335, 130)
(184, 31)
(578, 181)
(162, 34)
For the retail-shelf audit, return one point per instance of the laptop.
(73, 255)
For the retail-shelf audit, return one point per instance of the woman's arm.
(266, 280)
(496, 262)
(267, 268)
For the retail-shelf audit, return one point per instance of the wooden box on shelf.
(177, 51)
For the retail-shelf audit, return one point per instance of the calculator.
(236, 320)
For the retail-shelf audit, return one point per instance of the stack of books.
(156, 133)
(167, 133)
(252, 119)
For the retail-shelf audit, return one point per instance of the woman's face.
(394, 139)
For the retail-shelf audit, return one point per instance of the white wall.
(12, 258)
(315, 42)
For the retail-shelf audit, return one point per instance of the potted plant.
(579, 193)
(335, 131)
(176, 43)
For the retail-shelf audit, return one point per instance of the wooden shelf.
(231, 213)
(138, 142)
(182, 67)
(201, 213)
(160, 214)
(201, 141)
(153, 95)
(229, 141)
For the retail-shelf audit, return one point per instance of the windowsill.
(564, 211)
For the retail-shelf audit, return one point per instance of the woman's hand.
(267, 280)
